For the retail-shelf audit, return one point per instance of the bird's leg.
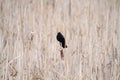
(60, 44)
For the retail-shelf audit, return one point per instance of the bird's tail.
(66, 46)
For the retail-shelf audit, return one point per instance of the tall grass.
(29, 49)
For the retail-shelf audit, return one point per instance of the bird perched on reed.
(61, 39)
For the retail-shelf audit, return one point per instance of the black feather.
(61, 39)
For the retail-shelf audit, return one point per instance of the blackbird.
(61, 39)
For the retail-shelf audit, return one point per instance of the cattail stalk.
(62, 55)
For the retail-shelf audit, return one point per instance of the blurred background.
(29, 49)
